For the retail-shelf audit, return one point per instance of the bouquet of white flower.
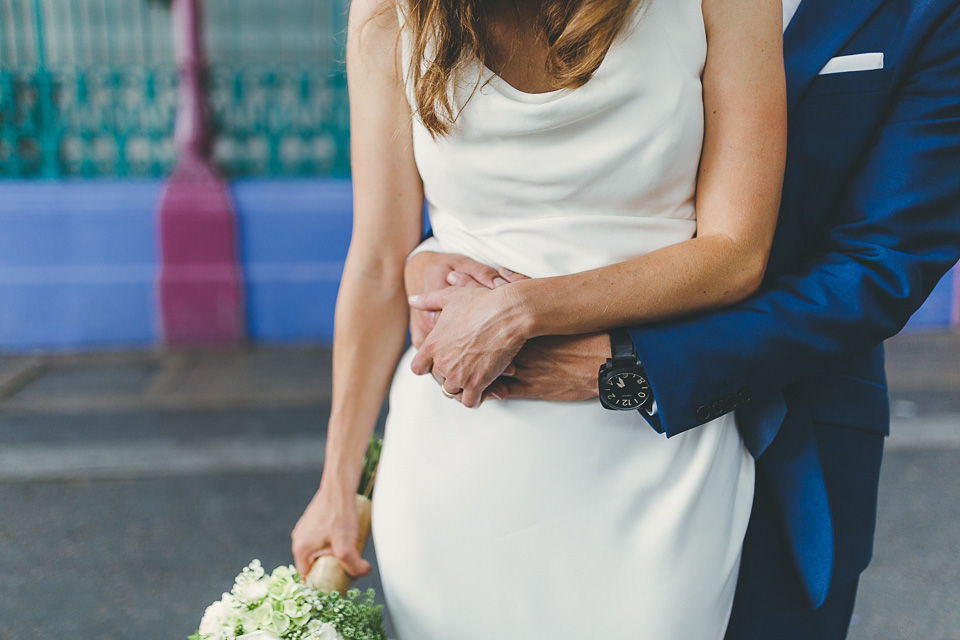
(279, 607)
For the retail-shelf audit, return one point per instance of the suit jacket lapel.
(819, 29)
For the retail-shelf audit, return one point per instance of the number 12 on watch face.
(627, 390)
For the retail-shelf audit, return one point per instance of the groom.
(870, 220)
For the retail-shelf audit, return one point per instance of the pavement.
(135, 485)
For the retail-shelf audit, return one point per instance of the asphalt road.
(133, 488)
(141, 558)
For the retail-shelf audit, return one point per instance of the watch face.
(625, 390)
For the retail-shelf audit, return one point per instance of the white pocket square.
(856, 62)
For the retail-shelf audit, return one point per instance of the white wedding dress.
(532, 520)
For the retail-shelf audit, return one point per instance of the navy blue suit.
(869, 222)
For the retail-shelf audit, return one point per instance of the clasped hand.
(550, 368)
(478, 332)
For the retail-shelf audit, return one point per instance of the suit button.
(703, 413)
(716, 409)
(745, 395)
(730, 403)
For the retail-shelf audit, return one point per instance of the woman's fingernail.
(413, 299)
(499, 281)
(506, 271)
(494, 394)
(452, 277)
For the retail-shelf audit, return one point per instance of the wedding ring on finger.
(448, 394)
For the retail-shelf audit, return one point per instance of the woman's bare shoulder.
(372, 38)
(374, 19)
(373, 9)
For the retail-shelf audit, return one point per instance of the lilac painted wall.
(78, 262)
(293, 241)
(935, 312)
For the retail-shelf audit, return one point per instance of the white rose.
(217, 617)
(252, 591)
(278, 624)
(258, 618)
(258, 635)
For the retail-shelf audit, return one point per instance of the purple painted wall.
(936, 311)
(293, 241)
(77, 264)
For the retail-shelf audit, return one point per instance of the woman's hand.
(475, 338)
(329, 526)
(430, 271)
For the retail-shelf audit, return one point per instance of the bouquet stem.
(326, 574)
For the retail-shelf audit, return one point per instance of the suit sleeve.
(896, 232)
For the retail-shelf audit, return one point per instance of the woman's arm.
(738, 195)
(371, 314)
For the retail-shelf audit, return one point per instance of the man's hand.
(556, 368)
(429, 271)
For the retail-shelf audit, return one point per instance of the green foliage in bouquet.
(355, 616)
(370, 462)
(279, 607)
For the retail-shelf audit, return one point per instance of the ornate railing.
(287, 121)
(276, 86)
(88, 87)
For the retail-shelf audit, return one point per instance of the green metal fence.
(88, 87)
(277, 89)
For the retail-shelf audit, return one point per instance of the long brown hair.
(578, 33)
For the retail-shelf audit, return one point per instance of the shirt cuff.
(652, 416)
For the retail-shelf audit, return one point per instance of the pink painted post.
(200, 282)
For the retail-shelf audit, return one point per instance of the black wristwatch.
(622, 380)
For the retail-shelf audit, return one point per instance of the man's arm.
(896, 232)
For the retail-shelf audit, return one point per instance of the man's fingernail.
(506, 271)
(413, 299)
(499, 281)
(452, 277)
(494, 394)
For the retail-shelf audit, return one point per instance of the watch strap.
(621, 346)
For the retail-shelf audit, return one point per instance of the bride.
(628, 156)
